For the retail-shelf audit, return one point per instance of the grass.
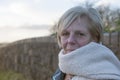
(11, 75)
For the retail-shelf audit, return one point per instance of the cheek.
(84, 41)
(63, 42)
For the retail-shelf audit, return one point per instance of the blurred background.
(28, 48)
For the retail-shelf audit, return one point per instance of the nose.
(71, 38)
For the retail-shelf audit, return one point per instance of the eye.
(78, 33)
(65, 33)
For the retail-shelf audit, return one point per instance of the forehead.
(79, 24)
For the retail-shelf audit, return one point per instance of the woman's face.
(75, 36)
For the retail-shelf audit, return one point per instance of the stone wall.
(36, 58)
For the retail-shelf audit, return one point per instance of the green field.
(11, 75)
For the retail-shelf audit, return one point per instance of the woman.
(83, 57)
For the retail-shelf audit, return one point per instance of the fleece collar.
(89, 60)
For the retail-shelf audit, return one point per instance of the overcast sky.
(25, 12)
(16, 13)
(17, 17)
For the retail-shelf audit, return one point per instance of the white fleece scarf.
(93, 61)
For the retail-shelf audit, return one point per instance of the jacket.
(58, 75)
(90, 62)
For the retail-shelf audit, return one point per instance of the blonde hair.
(93, 17)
